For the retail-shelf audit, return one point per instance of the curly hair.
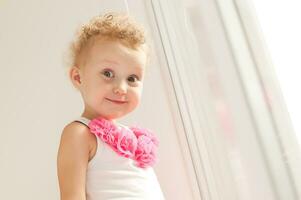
(109, 26)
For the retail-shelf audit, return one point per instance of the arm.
(72, 161)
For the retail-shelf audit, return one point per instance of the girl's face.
(112, 72)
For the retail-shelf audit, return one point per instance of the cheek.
(136, 96)
(96, 92)
(99, 86)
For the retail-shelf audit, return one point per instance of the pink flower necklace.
(135, 143)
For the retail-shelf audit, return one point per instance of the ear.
(75, 76)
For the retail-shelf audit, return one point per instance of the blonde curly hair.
(115, 26)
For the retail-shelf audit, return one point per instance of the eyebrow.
(110, 61)
(117, 63)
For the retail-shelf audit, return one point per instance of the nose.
(120, 88)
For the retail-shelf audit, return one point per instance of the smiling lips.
(116, 101)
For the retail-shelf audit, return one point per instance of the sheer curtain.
(236, 122)
(280, 26)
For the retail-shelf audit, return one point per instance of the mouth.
(116, 101)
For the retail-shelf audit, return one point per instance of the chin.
(112, 116)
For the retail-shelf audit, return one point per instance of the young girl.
(99, 158)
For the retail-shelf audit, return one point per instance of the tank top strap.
(83, 120)
(86, 122)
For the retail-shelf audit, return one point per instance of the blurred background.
(281, 32)
(224, 74)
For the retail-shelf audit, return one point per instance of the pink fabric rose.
(136, 143)
(147, 146)
(104, 129)
(127, 143)
(146, 132)
(146, 151)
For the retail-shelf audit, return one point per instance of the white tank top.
(114, 177)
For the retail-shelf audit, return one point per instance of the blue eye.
(134, 77)
(107, 72)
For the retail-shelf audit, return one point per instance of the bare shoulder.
(81, 133)
(78, 129)
(72, 160)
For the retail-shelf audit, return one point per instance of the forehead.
(114, 52)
